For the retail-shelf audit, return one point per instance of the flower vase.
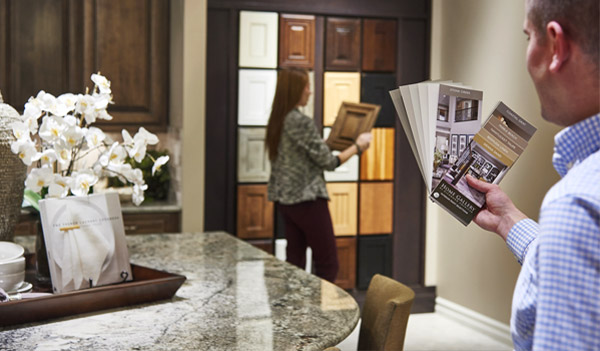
(42, 270)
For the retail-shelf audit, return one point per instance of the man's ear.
(559, 44)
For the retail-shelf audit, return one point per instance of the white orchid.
(66, 141)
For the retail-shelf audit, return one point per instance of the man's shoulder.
(582, 181)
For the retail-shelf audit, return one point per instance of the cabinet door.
(348, 171)
(255, 96)
(258, 39)
(376, 208)
(379, 45)
(343, 207)
(346, 278)
(254, 212)
(339, 87)
(148, 223)
(128, 42)
(253, 161)
(297, 41)
(374, 257)
(377, 163)
(263, 244)
(342, 46)
(375, 89)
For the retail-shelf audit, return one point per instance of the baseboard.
(475, 320)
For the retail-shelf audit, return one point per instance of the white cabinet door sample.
(255, 96)
(253, 161)
(258, 39)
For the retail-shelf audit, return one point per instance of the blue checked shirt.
(556, 303)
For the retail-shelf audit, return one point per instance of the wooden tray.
(148, 285)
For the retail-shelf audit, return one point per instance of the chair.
(385, 315)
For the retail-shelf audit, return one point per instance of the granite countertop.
(236, 297)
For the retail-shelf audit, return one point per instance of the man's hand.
(499, 214)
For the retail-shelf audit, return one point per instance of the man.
(556, 303)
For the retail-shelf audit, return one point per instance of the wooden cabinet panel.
(258, 39)
(343, 206)
(377, 163)
(128, 41)
(346, 172)
(150, 223)
(346, 278)
(376, 208)
(339, 87)
(374, 89)
(296, 41)
(254, 212)
(374, 257)
(342, 46)
(265, 245)
(309, 109)
(253, 160)
(255, 96)
(379, 45)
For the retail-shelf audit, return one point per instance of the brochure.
(442, 121)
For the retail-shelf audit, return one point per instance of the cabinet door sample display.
(348, 171)
(377, 163)
(258, 39)
(342, 45)
(374, 257)
(255, 96)
(379, 45)
(255, 212)
(352, 120)
(297, 41)
(253, 160)
(346, 278)
(376, 208)
(374, 89)
(339, 87)
(343, 207)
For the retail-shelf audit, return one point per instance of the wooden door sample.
(255, 96)
(296, 41)
(258, 39)
(339, 87)
(253, 160)
(352, 120)
(379, 45)
(346, 278)
(348, 171)
(309, 108)
(377, 163)
(342, 45)
(376, 208)
(254, 212)
(128, 42)
(374, 89)
(374, 257)
(343, 206)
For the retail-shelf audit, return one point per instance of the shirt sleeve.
(303, 132)
(568, 303)
(520, 237)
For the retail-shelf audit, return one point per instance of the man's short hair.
(579, 19)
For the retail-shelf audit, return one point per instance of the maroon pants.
(309, 224)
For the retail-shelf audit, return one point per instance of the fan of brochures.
(442, 122)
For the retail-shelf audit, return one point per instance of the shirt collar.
(575, 143)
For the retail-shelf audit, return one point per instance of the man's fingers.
(478, 184)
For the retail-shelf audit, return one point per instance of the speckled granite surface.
(236, 297)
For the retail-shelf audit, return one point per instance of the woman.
(298, 157)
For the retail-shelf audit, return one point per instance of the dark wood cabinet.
(264, 244)
(346, 278)
(56, 45)
(255, 212)
(379, 45)
(374, 89)
(374, 257)
(296, 41)
(342, 44)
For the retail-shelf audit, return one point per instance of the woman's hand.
(364, 141)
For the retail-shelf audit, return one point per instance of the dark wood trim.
(318, 67)
(4, 50)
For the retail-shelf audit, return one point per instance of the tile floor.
(436, 332)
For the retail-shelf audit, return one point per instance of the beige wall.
(187, 103)
(481, 43)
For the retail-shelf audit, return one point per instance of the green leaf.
(32, 198)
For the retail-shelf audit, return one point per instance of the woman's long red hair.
(290, 86)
